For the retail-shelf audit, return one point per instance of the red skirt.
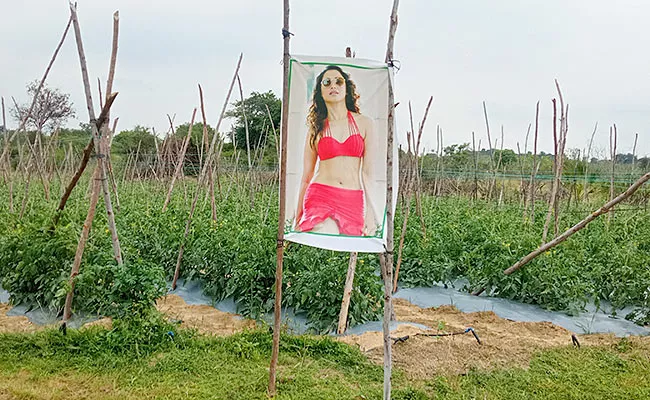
(344, 206)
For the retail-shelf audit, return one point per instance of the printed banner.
(336, 154)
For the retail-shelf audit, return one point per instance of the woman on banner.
(334, 199)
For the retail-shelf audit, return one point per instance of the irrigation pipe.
(468, 330)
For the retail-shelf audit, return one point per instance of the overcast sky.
(462, 52)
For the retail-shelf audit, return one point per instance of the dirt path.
(203, 318)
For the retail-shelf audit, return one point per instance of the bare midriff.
(342, 171)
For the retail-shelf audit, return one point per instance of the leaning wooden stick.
(82, 166)
(81, 245)
(602, 210)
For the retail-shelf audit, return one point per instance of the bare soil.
(505, 343)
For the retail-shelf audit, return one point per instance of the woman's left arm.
(370, 181)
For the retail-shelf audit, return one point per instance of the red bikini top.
(353, 146)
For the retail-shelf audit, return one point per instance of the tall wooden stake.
(213, 204)
(286, 34)
(612, 150)
(585, 191)
(386, 259)
(494, 172)
(181, 158)
(534, 168)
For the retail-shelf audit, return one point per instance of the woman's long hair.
(318, 110)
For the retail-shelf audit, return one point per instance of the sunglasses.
(327, 82)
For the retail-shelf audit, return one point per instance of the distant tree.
(77, 137)
(457, 156)
(644, 163)
(127, 141)
(51, 110)
(507, 156)
(625, 158)
(258, 119)
(196, 141)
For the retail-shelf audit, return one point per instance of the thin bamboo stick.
(85, 232)
(179, 164)
(585, 191)
(201, 179)
(213, 204)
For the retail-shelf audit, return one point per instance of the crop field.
(234, 256)
(98, 226)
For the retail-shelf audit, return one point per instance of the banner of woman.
(336, 154)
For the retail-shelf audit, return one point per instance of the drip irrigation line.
(468, 330)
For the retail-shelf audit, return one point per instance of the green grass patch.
(151, 359)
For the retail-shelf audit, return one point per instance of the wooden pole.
(418, 172)
(411, 181)
(96, 124)
(475, 166)
(347, 293)
(286, 34)
(386, 259)
(554, 188)
(636, 138)
(4, 120)
(487, 127)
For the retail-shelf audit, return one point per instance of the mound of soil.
(203, 318)
(14, 324)
(505, 343)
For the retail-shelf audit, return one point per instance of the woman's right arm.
(309, 164)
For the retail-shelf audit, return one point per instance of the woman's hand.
(299, 211)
